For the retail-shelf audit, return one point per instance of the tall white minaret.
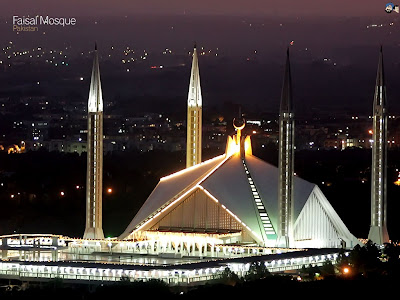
(378, 230)
(194, 116)
(94, 179)
(286, 160)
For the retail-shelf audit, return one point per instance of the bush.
(257, 270)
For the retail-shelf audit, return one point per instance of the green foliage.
(228, 277)
(152, 287)
(327, 269)
(309, 273)
(125, 280)
(391, 254)
(365, 260)
(342, 260)
(257, 270)
(56, 283)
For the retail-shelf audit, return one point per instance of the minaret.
(194, 112)
(378, 230)
(94, 179)
(286, 159)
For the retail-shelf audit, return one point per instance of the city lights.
(221, 206)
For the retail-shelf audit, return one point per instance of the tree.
(228, 277)
(308, 273)
(343, 261)
(257, 270)
(327, 269)
(365, 260)
(392, 254)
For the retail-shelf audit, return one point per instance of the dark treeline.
(273, 287)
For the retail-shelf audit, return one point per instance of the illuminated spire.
(286, 97)
(95, 103)
(378, 230)
(94, 179)
(380, 88)
(286, 160)
(194, 116)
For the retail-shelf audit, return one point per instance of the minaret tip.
(286, 96)
(195, 45)
(95, 46)
(194, 109)
(95, 103)
(380, 76)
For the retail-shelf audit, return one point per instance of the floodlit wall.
(319, 226)
(198, 213)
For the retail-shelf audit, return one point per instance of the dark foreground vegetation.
(367, 271)
(273, 286)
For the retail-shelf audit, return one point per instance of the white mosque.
(228, 209)
(237, 198)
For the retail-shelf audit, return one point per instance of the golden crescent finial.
(239, 127)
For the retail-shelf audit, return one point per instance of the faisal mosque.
(236, 198)
(234, 205)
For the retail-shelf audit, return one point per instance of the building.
(232, 199)
(236, 198)
(286, 161)
(194, 116)
(94, 176)
(378, 229)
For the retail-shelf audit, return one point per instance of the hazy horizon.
(206, 7)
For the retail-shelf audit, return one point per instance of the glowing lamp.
(397, 182)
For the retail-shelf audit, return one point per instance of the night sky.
(334, 56)
(223, 7)
(334, 29)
